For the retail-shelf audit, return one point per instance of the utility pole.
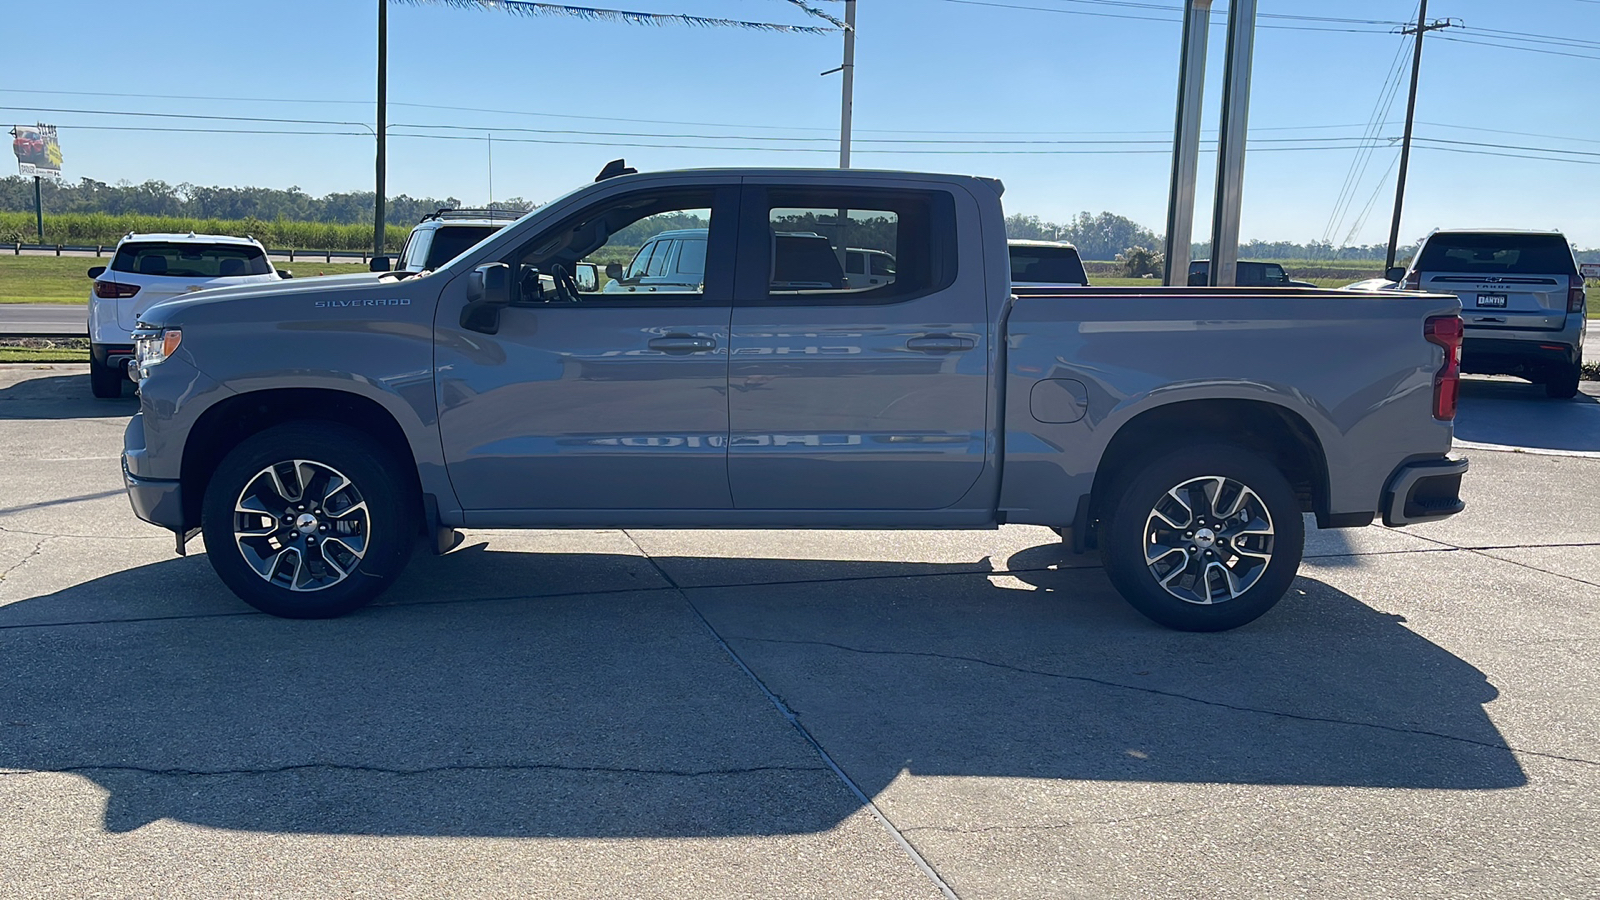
(383, 116)
(849, 69)
(38, 208)
(1423, 26)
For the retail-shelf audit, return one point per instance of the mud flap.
(183, 538)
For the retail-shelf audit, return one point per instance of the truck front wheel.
(1203, 539)
(306, 521)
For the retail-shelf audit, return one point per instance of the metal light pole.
(383, 116)
(847, 101)
(1186, 141)
(1225, 211)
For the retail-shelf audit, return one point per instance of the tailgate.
(1507, 301)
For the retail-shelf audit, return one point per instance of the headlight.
(152, 346)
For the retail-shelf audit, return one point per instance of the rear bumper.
(108, 354)
(1424, 492)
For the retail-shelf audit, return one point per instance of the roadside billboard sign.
(1591, 270)
(37, 149)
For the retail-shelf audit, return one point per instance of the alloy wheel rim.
(301, 525)
(1208, 540)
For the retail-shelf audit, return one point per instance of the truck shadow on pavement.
(64, 396)
(592, 701)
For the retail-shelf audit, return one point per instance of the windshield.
(1047, 265)
(191, 260)
(1497, 254)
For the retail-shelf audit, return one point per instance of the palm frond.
(531, 8)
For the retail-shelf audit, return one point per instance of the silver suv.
(1522, 301)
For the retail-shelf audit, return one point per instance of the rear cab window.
(1497, 254)
(183, 260)
(1047, 265)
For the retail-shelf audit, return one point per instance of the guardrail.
(292, 254)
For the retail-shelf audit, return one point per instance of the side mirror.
(285, 273)
(488, 292)
(587, 277)
(379, 264)
(614, 271)
(1398, 273)
(97, 271)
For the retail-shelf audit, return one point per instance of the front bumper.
(1424, 491)
(158, 501)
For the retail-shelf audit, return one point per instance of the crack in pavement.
(424, 770)
(1481, 551)
(32, 554)
(1174, 695)
(867, 803)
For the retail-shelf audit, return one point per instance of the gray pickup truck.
(313, 431)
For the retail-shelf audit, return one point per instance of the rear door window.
(453, 240)
(191, 260)
(1497, 254)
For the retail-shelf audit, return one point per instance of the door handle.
(682, 343)
(940, 343)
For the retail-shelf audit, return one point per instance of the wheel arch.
(227, 423)
(1280, 434)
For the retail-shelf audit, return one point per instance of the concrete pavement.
(659, 713)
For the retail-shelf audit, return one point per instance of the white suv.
(149, 268)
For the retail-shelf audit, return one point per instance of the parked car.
(442, 236)
(313, 430)
(148, 268)
(1522, 299)
(1041, 263)
(1250, 274)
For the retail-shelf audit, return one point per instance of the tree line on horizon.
(1105, 236)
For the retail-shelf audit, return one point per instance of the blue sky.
(927, 70)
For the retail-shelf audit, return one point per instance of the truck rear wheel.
(1562, 382)
(1206, 538)
(305, 521)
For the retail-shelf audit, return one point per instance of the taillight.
(1413, 280)
(1445, 331)
(110, 290)
(1576, 297)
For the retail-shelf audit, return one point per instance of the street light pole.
(849, 69)
(1186, 141)
(383, 115)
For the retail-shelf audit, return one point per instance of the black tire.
(105, 381)
(1562, 382)
(329, 582)
(1128, 532)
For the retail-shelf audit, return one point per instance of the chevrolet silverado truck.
(315, 431)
